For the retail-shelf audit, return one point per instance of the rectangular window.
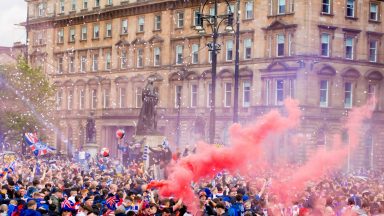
(323, 93)
(41, 9)
(81, 99)
(97, 3)
(210, 56)
(156, 56)
(350, 8)
(279, 92)
(195, 53)
(209, 95)
(123, 63)
(73, 5)
(85, 4)
(124, 26)
(93, 99)
(180, 19)
(178, 90)
(106, 98)
(62, 6)
(179, 54)
(231, 8)
(373, 11)
(122, 93)
(246, 93)
(141, 24)
(83, 64)
(140, 60)
(84, 32)
(71, 65)
(108, 29)
(193, 95)
(371, 91)
(69, 100)
(248, 10)
(139, 99)
(228, 94)
(60, 67)
(349, 48)
(229, 50)
(326, 7)
(195, 17)
(373, 51)
(280, 45)
(157, 22)
(282, 7)
(96, 31)
(39, 38)
(108, 60)
(109, 2)
(59, 99)
(325, 44)
(247, 48)
(95, 62)
(60, 36)
(347, 95)
(211, 13)
(72, 35)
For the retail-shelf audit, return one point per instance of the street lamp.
(214, 21)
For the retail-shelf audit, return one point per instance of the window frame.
(108, 60)
(350, 93)
(156, 56)
(227, 94)
(377, 13)
(96, 31)
(83, 63)
(280, 47)
(328, 5)
(81, 99)
(60, 36)
(140, 24)
(328, 44)
(352, 47)
(324, 104)
(180, 21)
(71, 64)
(70, 99)
(178, 95)
(370, 50)
(124, 26)
(281, 6)
(350, 8)
(122, 97)
(195, 53)
(249, 14)
(247, 48)
(108, 30)
(62, 6)
(123, 59)
(84, 34)
(279, 92)
(245, 92)
(194, 95)
(157, 22)
(140, 58)
(95, 62)
(179, 56)
(229, 50)
(93, 99)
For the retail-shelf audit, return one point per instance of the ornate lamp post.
(214, 21)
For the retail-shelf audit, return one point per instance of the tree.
(26, 101)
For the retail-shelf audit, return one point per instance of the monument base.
(91, 148)
(152, 141)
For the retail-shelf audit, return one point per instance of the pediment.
(156, 39)
(138, 41)
(278, 24)
(374, 75)
(351, 73)
(155, 77)
(122, 42)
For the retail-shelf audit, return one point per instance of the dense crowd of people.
(56, 185)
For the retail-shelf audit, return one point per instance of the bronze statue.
(91, 129)
(147, 119)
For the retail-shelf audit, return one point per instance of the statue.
(91, 129)
(147, 119)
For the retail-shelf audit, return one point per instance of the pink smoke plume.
(210, 160)
(323, 160)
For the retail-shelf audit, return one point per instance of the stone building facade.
(328, 54)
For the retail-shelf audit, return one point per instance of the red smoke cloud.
(323, 161)
(210, 160)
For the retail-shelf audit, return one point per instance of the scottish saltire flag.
(41, 148)
(11, 167)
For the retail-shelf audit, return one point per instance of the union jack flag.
(111, 202)
(31, 138)
(67, 205)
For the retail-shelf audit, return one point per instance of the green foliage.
(26, 100)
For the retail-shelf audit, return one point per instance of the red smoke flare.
(210, 160)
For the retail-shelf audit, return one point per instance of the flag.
(111, 202)
(11, 167)
(31, 138)
(67, 205)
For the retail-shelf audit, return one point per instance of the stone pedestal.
(152, 141)
(91, 148)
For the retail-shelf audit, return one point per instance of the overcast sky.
(12, 12)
